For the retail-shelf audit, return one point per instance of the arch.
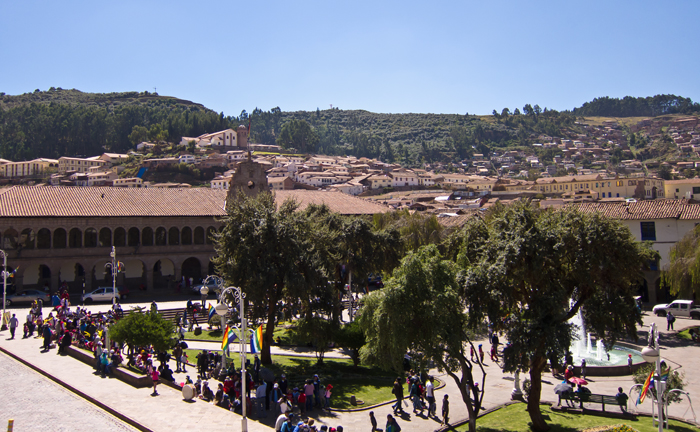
(163, 273)
(199, 235)
(90, 237)
(59, 238)
(75, 238)
(211, 234)
(186, 236)
(147, 236)
(173, 236)
(9, 239)
(36, 275)
(120, 237)
(643, 290)
(105, 237)
(43, 239)
(73, 275)
(663, 294)
(161, 236)
(192, 268)
(26, 239)
(134, 236)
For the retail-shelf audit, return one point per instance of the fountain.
(599, 359)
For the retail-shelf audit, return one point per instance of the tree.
(530, 271)
(350, 336)
(300, 135)
(258, 251)
(318, 331)
(665, 172)
(138, 134)
(141, 329)
(682, 274)
(421, 311)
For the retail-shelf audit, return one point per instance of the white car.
(679, 308)
(104, 294)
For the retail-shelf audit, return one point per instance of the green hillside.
(61, 122)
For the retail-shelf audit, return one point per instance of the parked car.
(104, 294)
(679, 308)
(213, 288)
(27, 296)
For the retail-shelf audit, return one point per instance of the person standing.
(430, 396)
(373, 420)
(415, 397)
(260, 399)
(398, 392)
(14, 323)
(583, 368)
(670, 319)
(445, 410)
(46, 333)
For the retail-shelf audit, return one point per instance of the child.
(472, 353)
(481, 354)
(445, 410)
(373, 421)
(328, 397)
(155, 376)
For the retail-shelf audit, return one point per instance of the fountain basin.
(617, 365)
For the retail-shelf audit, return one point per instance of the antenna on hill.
(155, 90)
(331, 106)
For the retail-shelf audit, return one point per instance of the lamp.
(652, 354)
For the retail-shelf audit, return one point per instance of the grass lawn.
(367, 384)
(285, 335)
(515, 418)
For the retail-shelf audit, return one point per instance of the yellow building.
(82, 165)
(686, 188)
(27, 168)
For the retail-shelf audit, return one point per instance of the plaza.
(109, 404)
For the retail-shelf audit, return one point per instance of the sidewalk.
(166, 412)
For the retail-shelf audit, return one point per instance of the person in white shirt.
(430, 395)
(260, 398)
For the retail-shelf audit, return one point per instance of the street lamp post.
(4, 287)
(652, 354)
(239, 298)
(115, 270)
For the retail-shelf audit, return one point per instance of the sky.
(381, 56)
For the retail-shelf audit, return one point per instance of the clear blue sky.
(382, 56)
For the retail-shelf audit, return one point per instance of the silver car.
(27, 296)
(103, 294)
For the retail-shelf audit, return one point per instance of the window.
(696, 190)
(648, 231)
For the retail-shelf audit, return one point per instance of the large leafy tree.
(682, 274)
(281, 253)
(258, 251)
(530, 271)
(421, 310)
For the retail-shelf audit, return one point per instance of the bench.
(591, 398)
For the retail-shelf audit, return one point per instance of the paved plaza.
(27, 395)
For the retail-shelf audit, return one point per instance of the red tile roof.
(24, 201)
(653, 209)
(336, 201)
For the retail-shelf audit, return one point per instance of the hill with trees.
(62, 122)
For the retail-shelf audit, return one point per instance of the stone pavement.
(38, 404)
(169, 411)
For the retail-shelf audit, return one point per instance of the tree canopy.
(529, 271)
(421, 311)
(287, 253)
(140, 329)
(682, 274)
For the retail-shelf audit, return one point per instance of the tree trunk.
(533, 399)
(265, 356)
